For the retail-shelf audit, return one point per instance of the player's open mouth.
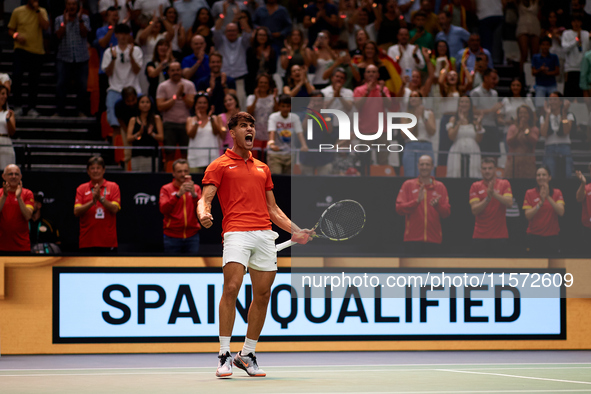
(248, 138)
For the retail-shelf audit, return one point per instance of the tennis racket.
(341, 221)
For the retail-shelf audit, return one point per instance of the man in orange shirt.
(97, 204)
(424, 202)
(245, 190)
(584, 197)
(489, 200)
(16, 208)
(178, 204)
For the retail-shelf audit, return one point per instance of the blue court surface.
(445, 372)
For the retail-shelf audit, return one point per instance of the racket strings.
(344, 220)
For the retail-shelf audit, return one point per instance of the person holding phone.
(178, 204)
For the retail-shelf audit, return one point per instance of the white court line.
(307, 366)
(516, 376)
(459, 392)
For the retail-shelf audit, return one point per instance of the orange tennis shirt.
(242, 191)
(14, 229)
(545, 221)
(491, 223)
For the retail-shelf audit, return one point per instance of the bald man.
(16, 208)
(196, 66)
(420, 197)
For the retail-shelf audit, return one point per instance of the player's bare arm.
(279, 218)
(204, 205)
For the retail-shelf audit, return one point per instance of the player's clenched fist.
(206, 219)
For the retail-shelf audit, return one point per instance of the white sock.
(224, 344)
(249, 345)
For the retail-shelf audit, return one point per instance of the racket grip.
(284, 245)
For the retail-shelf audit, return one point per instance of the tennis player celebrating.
(245, 190)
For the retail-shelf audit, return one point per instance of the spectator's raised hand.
(565, 107)
(180, 90)
(211, 109)
(426, 52)
(581, 177)
(547, 108)
(224, 79)
(421, 192)
(19, 190)
(113, 52)
(9, 115)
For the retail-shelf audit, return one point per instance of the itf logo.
(345, 129)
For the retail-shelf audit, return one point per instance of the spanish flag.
(395, 81)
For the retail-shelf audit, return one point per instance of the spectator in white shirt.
(230, 9)
(282, 127)
(575, 43)
(342, 97)
(408, 56)
(187, 10)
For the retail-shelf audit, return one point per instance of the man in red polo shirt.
(424, 202)
(97, 204)
(16, 208)
(489, 199)
(245, 191)
(178, 204)
(584, 197)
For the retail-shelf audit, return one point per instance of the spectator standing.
(522, 137)
(276, 19)
(217, 84)
(71, 29)
(408, 7)
(261, 58)
(298, 84)
(294, 53)
(424, 202)
(26, 27)
(320, 15)
(232, 107)
(466, 132)
(203, 131)
(528, 29)
(147, 8)
(202, 26)
(122, 64)
(423, 131)
(261, 105)
(196, 66)
(543, 205)
(174, 99)
(584, 197)
(147, 39)
(431, 20)
(320, 55)
(43, 234)
(474, 78)
(485, 99)
(385, 28)
(16, 209)
(545, 66)
(343, 61)
(408, 56)
(227, 10)
(317, 163)
(490, 26)
(489, 200)
(178, 204)
(420, 36)
(507, 114)
(455, 37)
(575, 43)
(157, 68)
(144, 130)
(105, 38)
(467, 57)
(7, 130)
(97, 204)
(188, 10)
(457, 12)
(555, 126)
(123, 8)
(171, 22)
(283, 126)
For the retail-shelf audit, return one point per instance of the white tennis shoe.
(224, 365)
(248, 364)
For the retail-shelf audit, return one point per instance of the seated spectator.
(232, 106)
(201, 25)
(178, 204)
(71, 29)
(344, 61)
(370, 55)
(203, 131)
(408, 56)
(320, 55)
(157, 68)
(171, 22)
(261, 58)
(424, 202)
(420, 36)
(217, 84)
(485, 100)
(466, 132)
(457, 13)
(7, 130)
(175, 98)
(227, 10)
(122, 64)
(97, 204)
(283, 125)
(105, 38)
(423, 131)
(555, 126)
(431, 20)
(233, 49)
(575, 44)
(522, 137)
(16, 209)
(294, 53)
(147, 38)
(276, 19)
(144, 130)
(584, 197)
(43, 234)
(467, 57)
(545, 66)
(455, 37)
(261, 105)
(298, 84)
(26, 26)
(188, 11)
(196, 66)
(543, 205)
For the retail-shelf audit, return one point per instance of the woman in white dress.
(203, 130)
(320, 55)
(466, 132)
(7, 130)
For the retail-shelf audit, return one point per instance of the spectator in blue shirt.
(196, 66)
(455, 36)
(217, 84)
(275, 18)
(545, 67)
(320, 16)
(105, 37)
(467, 57)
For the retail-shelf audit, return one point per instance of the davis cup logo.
(345, 130)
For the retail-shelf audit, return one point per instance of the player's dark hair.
(236, 118)
(122, 28)
(179, 161)
(95, 160)
(284, 99)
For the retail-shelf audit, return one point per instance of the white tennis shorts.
(254, 249)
